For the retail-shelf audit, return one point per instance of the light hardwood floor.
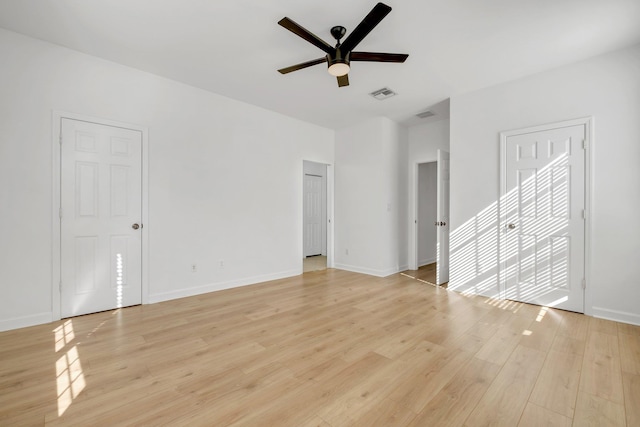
(426, 273)
(327, 348)
(314, 263)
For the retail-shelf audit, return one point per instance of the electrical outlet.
(194, 268)
(221, 263)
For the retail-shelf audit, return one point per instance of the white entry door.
(101, 212)
(542, 213)
(442, 216)
(312, 215)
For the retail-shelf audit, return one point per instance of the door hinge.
(584, 214)
(585, 144)
(60, 139)
(584, 283)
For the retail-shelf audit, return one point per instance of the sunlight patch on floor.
(69, 375)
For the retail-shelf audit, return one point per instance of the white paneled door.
(312, 215)
(101, 213)
(543, 211)
(442, 216)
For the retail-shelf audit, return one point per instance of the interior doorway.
(427, 213)
(427, 222)
(315, 216)
(429, 239)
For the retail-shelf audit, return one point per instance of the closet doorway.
(315, 217)
(429, 251)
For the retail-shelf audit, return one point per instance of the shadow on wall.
(473, 255)
(533, 262)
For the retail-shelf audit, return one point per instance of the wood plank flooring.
(426, 273)
(314, 263)
(328, 348)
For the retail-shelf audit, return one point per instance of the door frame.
(329, 214)
(588, 123)
(330, 204)
(323, 215)
(417, 219)
(56, 128)
(413, 211)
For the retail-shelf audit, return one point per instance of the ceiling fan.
(340, 56)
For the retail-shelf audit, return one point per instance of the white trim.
(588, 205)
(330, 222)
(502, 178)
(55, 215)
(25, 321)
(548, 126)
(370, 271)
(412, 253)
(616, 315)
(588, 124)
(57, 117)
(413, 218)
(330, 182)
(214, 287)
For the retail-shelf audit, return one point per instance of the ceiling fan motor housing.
(338, 58)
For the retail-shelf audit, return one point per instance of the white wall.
(608, 89)
(427, 212)
(368, 197)
(424, 141)
(225, 178)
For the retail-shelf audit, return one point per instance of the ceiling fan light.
(338, 69)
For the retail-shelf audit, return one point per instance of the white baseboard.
(426, 262)
(25, 321)
(369, 271)
(618, 316)
(213, 287)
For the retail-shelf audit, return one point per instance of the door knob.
(135, 226)
(511, 226)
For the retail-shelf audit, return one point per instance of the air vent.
(425, 114)
(383, 93)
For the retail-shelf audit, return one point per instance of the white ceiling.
(234, 47)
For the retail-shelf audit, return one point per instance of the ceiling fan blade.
(369, 22)
(343, 80)
(306, 34)
(302, 65)
(378, 57)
